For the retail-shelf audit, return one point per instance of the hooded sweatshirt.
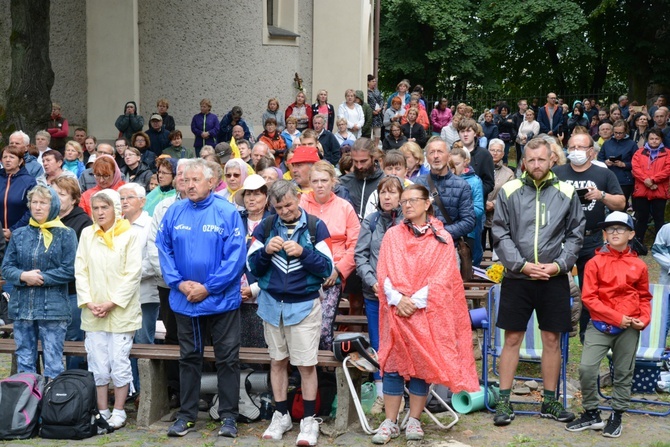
(129, 124)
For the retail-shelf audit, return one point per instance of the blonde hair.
(324, 166)
(413, 149)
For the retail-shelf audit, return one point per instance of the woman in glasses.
(421, 310)
(135, 170)
(167, 171)
(234, 174)
(107, 176)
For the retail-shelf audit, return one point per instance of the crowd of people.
(252, 241)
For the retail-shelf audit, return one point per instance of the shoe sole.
(304, 442)
(179, 434)
(612, 435)
(597, 426)
(503, 423)
(228, 434)
(551, 416)
(414, 437)
(383, 441)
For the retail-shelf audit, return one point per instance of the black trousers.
(643, 208)
(225, 331)
(168, 319)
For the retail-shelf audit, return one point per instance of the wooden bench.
(153, 377)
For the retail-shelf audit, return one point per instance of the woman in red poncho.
(425, 334)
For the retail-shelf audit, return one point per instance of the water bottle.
(267, 409)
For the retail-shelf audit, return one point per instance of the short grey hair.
(134, 187)
(261, 144)
(43, 133)
(199, 163)
(282, 188)
(622, 97)
(26, 138)
(497, 141)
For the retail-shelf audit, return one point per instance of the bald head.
(105, 149)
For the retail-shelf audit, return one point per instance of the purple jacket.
(211, 126)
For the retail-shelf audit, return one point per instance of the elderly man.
(259, 151)
(538, 228)
(550, 116)
(204, 291)
(291, 258)
(331, 148)
(599, 191)
(238, 132)
(22, 140)
(661, 122)
(158, 135)
(623, 106)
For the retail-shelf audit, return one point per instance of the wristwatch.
(603, 195)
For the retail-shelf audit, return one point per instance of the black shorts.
(550, 299)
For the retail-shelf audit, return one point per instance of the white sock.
(105, 413)
(121, 413)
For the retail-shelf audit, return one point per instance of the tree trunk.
(29, 93)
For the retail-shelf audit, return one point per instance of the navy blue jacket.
(14, 205)
(159, 140)
(543, 120)
(625, 149)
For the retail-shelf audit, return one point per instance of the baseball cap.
(91, 159)
(617, 218)
(224, 152)
(156, 117)
(305, 154)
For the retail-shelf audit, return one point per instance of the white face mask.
(577, 157)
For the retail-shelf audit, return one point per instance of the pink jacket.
(343, 225)
(440, 118)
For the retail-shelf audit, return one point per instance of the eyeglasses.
(102, 177)
(412, 202)
(617, 230)
(579, 148)
(164, 173)
(125, 199)
(619, 133)
(233, 175)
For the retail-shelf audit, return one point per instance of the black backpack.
(70, 409)
(269, 222)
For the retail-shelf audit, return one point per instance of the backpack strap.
(268, 223)
(373, 221)
(311, 228)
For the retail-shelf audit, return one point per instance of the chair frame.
(657, 354)
(494, 340)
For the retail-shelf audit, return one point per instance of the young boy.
(616, 292)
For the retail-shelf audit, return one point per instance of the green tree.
(29, 94)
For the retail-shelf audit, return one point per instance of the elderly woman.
(73, 217)
(421, 310)
(167, 171)
(52, 161)
(107, 176)
(343, 226)
(234, 174)
(414, 158)
(343, 133)
(72, 158)
(204, 126)
(373, 228)
(301, 111)
(108, 270)
(402, 93)
(42, 140)
(291, 133)
(413, 130)
(39, 263)
(352, 112)
(254, 197)
(15, 182)
(501, 174)
(323, 107)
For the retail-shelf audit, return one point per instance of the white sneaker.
(413, 431)
(280, 424)
(309, 431)
(387, 431)
(117, 420)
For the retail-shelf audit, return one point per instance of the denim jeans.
(52, 335)
(145, 334)
(394, 385)
(74, 333)
(372, 312)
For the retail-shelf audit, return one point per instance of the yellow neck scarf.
(120, 226)
(44, 228)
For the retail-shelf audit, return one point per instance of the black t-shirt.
(601, 178)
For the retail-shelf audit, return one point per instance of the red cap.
(305, 154)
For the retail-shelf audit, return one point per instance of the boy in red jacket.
(616, 292)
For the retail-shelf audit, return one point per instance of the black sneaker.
(228, 428)
(504, 413)
(553, 409)
(180, 428)
(589, 419)
(613, 427)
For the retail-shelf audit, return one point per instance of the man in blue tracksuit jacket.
(202, 251)
(291, 259)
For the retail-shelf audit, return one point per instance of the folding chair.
(530, 351)
(651, 347)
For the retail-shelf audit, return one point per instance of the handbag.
(462, 247)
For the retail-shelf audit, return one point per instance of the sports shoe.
(117, 420)
(387, 430)
(613, 427)
(413, 431)
(180, 428)
(377, 406)
(309, 431)
(504, 413)
(589, 419)
(280, 424)
(553, 409)
(228, 428)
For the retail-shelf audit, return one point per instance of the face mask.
(578, 158)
